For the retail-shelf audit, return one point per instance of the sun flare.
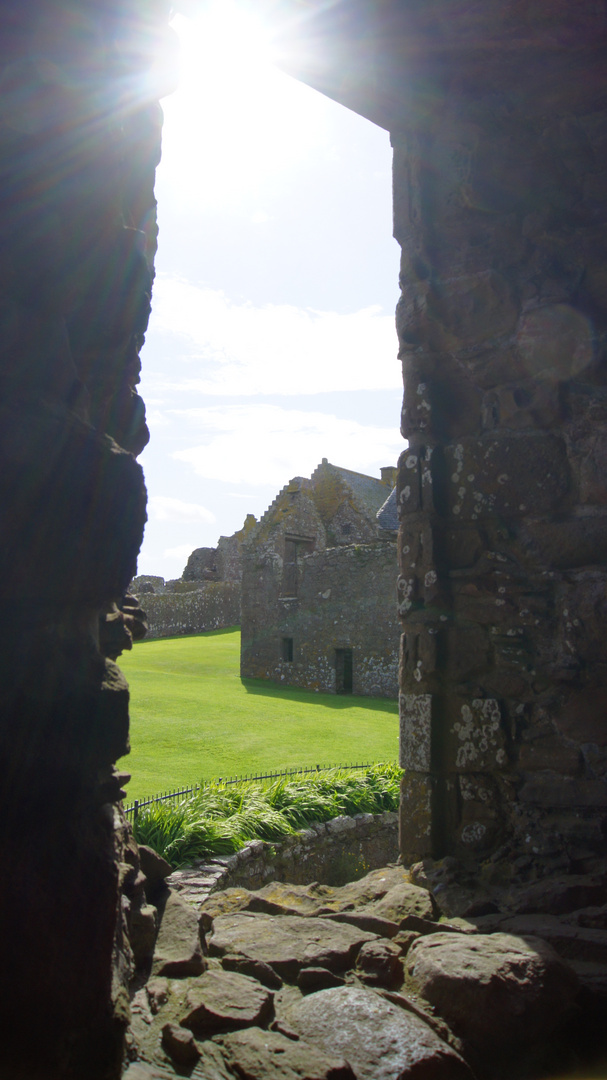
(235, 120)
(228, 34)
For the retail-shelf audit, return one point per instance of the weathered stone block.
(555, 342)
(582, 717)
(379, 1039)
(222, 1001)
(591, 455)
(552, 754)
(92, 483)
(468, 652)
(499, 599)
(416, 409)
(379, 964)
(517, 659)
(583, 612)
(565, 544)
(415, 731)
(461, 547)
(416, 794)
(180, 1044)
(548, 789)
(403, 900)
(455, 403)
(288, 944)
(522, 407)
(492, 989)
(479, 821)
(408, 484)
(418, 657)
(270, 1054)
(471, 308)
(511, 476)
(178, 949)
(143, 922)
(474, 736)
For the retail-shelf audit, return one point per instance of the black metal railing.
(138, 804)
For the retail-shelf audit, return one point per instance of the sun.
(235, 120)
(227, 34)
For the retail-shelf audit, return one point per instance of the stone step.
(571, 942)
(593, 978)
(141, 1070)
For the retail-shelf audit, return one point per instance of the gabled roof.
(387, 515)
(368, 492)
(329, 487)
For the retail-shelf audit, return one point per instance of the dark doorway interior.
(287, 649)
(343, 671)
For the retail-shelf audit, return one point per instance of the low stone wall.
(211, 606)
(332, 853)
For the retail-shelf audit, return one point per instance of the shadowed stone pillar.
(500, 205)
(79, 141)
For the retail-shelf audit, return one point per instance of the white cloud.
(265, 444)
(182, 551)
(163, 508)
(154, 417)
(240, 349)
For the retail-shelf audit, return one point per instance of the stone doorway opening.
(274, 285)
(344, 671)
(287, 650)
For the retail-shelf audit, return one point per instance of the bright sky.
(271, 343)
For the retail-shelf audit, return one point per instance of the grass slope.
(193, 718)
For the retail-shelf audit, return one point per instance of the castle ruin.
(497, 111)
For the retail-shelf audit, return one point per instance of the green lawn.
(194, 718)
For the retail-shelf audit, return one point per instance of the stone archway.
(496, 120)
(497, 115)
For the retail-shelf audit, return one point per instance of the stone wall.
(501, 212)
(332, 584)
(223, 563)
(205, 597)
(320, 552)
(79, 141)
(498, 118)
(211, 605)
(330, 853)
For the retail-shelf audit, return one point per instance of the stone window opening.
(344, 671)
(346, 529)
(287, 650)
(295, 547)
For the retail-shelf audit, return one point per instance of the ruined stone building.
(497, 111)
(318, 599)
(205, 597)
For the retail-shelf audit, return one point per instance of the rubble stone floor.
(374, 980)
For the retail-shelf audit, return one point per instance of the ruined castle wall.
(79, 142)
(330, 853)
(212, 606)
(333, 585)
(501, 212)
(500, 138)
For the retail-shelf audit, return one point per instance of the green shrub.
(221, 818)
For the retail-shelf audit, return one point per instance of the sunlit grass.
(193, 718)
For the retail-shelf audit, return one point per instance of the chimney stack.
(388, 475)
